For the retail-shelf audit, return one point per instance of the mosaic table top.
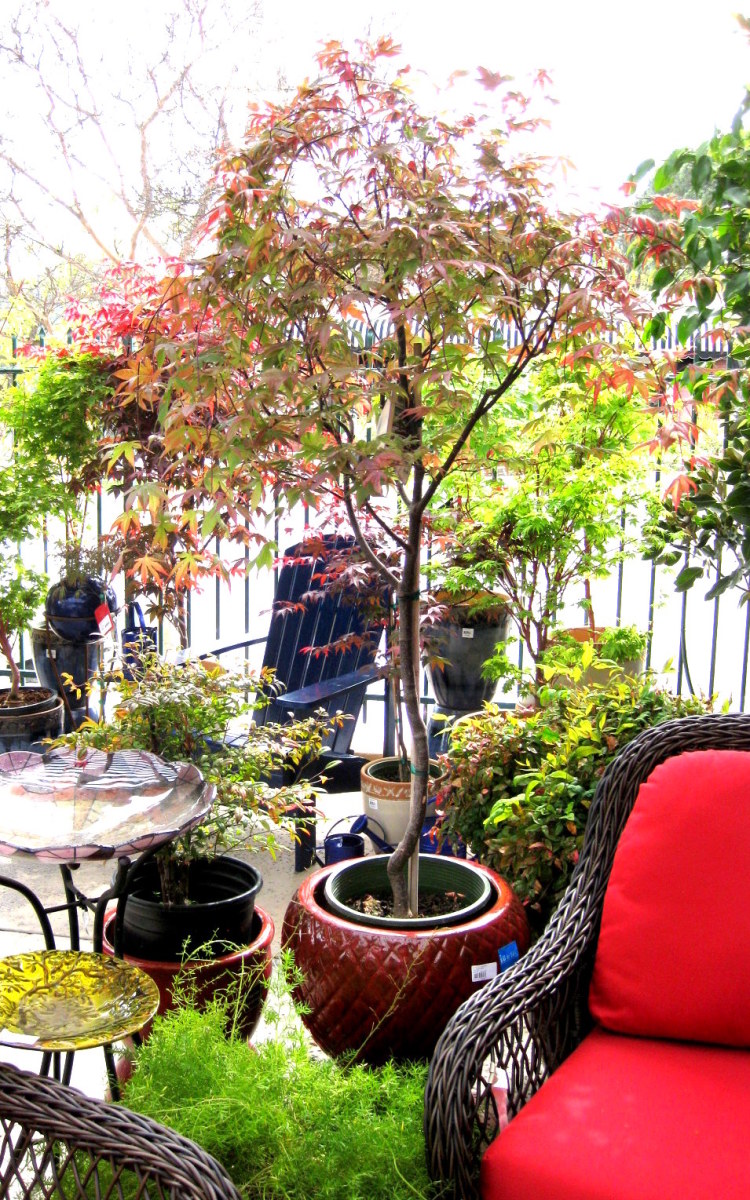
(63, 1000)
(66, 805)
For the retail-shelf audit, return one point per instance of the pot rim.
(203, 905)
(309, 897)
(52, 703)
(429, 863)
(259, 944)
(368, 770)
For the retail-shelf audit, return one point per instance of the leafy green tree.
(700, 250)
(49, 425)
(350, 203)
(53, 417)
(557, 511)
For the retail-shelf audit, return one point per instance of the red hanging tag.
(103, 618)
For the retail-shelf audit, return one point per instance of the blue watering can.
(340, 846)
(428, 843)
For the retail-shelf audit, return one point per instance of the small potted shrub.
(192, 897)
(590, 655)
(520, 787)
(27, 714)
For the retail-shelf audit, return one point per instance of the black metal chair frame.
(65, 1144)
(529, 1019)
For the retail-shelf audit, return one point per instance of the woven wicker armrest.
(79, 1147)
(523, 1023)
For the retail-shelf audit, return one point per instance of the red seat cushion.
(630, 1119)
(673, 957)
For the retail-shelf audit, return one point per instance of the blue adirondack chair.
(321, 644)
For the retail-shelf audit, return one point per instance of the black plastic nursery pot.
(219, 914)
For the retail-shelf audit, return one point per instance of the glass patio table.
(66, 807)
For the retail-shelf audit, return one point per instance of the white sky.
(633, 79)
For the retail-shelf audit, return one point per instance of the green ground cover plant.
(284, 1124)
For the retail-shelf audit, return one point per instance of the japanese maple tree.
(351, 208)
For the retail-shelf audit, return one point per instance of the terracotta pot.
(215, 974)
(389, 993)
(386, 799)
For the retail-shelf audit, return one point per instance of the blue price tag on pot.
(508, 955)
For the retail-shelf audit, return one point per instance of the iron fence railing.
(696, 646)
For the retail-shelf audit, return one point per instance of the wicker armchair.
(528, 1020)
(56, 1142)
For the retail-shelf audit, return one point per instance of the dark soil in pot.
(451, 891)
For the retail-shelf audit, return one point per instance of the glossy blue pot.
(70, 610)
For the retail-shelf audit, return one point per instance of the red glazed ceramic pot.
(389, 993)
(214, 974)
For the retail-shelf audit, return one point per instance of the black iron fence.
(697, 646)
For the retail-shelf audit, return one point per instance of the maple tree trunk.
(405, 894)
(15, 674)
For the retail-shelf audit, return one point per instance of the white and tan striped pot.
(385, 799)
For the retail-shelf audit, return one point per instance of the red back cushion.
(673, 958)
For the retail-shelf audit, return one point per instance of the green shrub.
(520, 787)
(622, 643)
(283, 1123)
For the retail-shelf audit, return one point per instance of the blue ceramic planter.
(70, 610)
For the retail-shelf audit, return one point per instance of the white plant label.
(467, 633)
(483, 972)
